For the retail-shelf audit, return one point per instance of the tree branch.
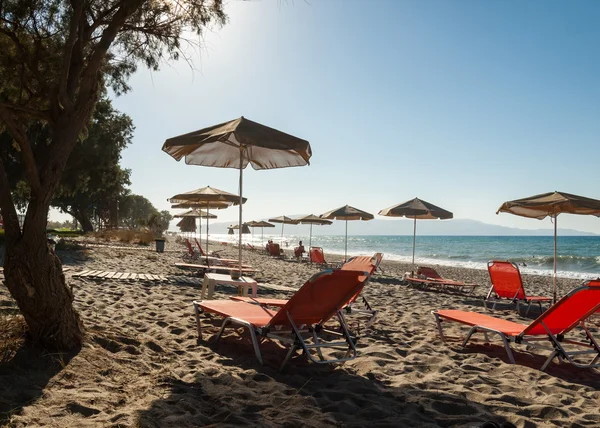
(20, 136)
(26, 111)
(63, 98)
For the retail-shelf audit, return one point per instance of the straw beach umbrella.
(313, 219)
(207, 197)
(237, 143)
(194, 213)
(347, 213)
(416, 209)
(262, 224)
(283, 220)
(551, 205)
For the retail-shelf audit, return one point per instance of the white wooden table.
(212, 279)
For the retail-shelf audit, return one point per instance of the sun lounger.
(428, 277)
(508, 284)
(316, 256)
(360, 263)
(210, 260)
(554, 325)
(214, 253)
(299, 323)
(274, 250)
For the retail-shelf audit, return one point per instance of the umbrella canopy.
(551, 205)
(262, 224)
(416, 209)
(347, 213)
(197, 213)
(312, 219)
(198, 205)
(283, 220)
(207, 197)
(187, 224)
(245, 228)
(237, 143)
(207, 194)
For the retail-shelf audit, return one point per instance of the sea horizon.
(577, 256)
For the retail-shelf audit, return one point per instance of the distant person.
(299, 250)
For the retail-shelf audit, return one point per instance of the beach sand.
(141, 364)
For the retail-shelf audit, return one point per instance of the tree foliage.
(56, 59)
(135, 210)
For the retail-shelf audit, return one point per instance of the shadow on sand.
(303, 394)
(25, 376)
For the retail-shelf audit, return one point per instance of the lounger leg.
(487, 338)
(471, 332)
(438, 321)
(255, 344)
(225, 322)
(511, 358)
(529, 307)
(291, 352)
(316, 339)
(197, 314)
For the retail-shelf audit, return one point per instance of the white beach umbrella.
(347, 213)
(416, 209)
(236, 144)
(551, 205)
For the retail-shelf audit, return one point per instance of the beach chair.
(214, 253)
(507, 284)
(274, 250)
(300, 322)
(360, 263)
(316, 256)
(427, 276)
(554, 325)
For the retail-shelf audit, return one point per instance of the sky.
(465, 104)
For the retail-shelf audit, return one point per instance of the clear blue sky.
(465, 104)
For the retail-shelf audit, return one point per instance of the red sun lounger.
(300, 322)
(508, 284)
(554, 326)
(360, 263)
(316, 256)
(429, 277)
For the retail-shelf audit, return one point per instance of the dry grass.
(141, 237)
(12, 336)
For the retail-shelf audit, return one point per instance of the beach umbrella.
(416, 209)
(347, 213)
(262, 224)
(312, 219)
(283, 220)
(197, 213)
(194, 213)
(551, 205)
(237, 143)
(207, 197)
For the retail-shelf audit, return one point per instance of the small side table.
(212, 279)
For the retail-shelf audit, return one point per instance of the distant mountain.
(461, 227)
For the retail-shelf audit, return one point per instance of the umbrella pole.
(207, 215)
(346, 244)
(554, 277)
(262, 236)
(241, 202)
(281, 240)
(414, 239)
(310, 237)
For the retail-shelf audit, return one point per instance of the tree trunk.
(83, 219)
(34, 278)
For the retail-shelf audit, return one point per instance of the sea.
(577, 256)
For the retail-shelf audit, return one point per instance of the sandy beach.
(141, 364)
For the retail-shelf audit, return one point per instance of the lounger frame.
(294, 337)
(556, 340)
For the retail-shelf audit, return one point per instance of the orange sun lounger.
(300, 322)
(360, 263)
(508, 284)
(554, 326)
(430, 277)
